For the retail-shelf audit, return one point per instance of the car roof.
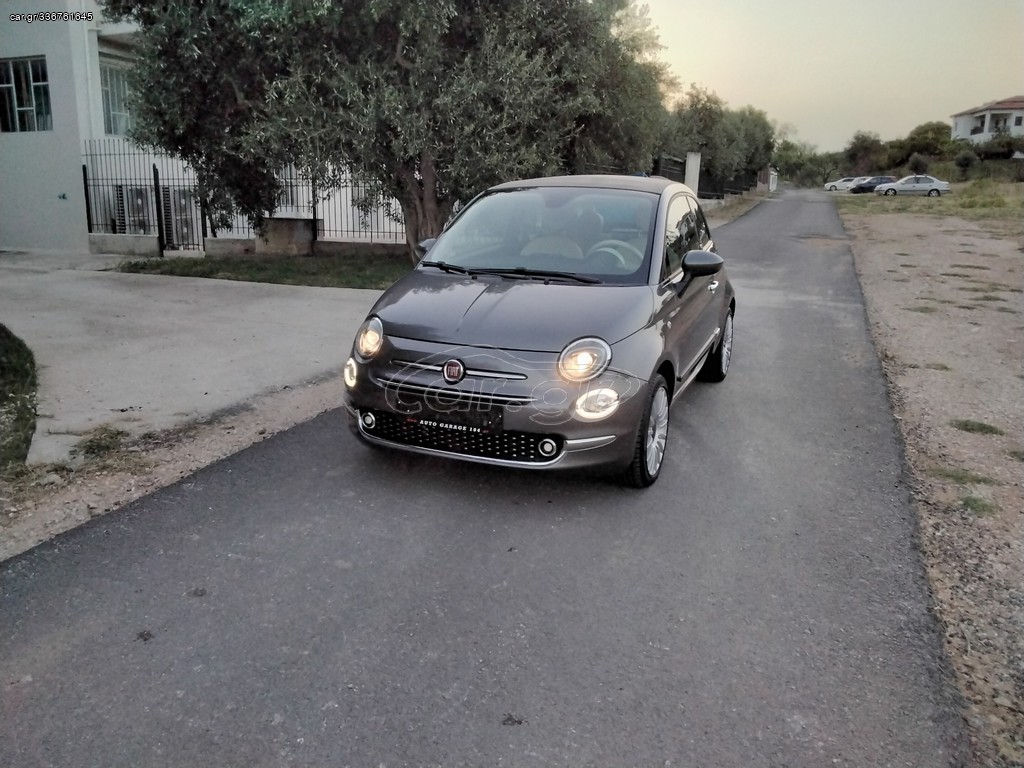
(654, 184)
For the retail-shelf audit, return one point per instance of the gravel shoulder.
(945, 303)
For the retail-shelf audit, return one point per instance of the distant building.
(984, 123)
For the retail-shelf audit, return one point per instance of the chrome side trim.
(695, 368)
(587, 443)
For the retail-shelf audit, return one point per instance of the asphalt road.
(314, 602)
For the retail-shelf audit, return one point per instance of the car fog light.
(597, 404)
(547, 447)
(351, 370)
(368, 420)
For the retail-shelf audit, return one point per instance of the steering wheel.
(628, 256)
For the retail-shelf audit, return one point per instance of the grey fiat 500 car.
(551, 325)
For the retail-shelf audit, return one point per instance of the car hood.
(510, 313)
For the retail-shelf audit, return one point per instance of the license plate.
(467, 415)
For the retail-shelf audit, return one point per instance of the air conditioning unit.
(133, 214)
(180, 212)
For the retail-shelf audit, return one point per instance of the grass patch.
(967, 266)
(101, 442)
(1015, 454)
(937, 367)
(374, 271)
(974, 200)
(978, 505)
(962, 476)
(975, 427)
(18, 384)
(989, 297)
(927, 309)
(954, 274)
(965, 306)
(1007, 310)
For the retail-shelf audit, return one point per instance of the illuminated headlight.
(584, 359)
(351, 371)
(597, 404)
(369, 338)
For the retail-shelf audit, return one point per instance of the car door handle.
(713, 286)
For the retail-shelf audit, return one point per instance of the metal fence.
(132, 191)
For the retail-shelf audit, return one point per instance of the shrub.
(965, 160)
(918, 163)
(17, 399)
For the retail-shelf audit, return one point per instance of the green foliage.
(865, 153)
(978, 505)
(965, 160)
(931, 139)
(730, 141)
(1001, 147)
(361, 270)
(976, 427)
(18, 384)
(918, 163)
(430, 102)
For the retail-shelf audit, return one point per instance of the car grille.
(499, 444)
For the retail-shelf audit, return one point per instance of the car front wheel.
(890, 192)
(716, 367)
(651, 438)
(832, 188)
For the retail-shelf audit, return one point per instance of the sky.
(830, 68)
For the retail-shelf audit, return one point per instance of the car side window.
(702, 235)
(680, 224)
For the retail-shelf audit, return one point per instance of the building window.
(1018, 121)
(117, 118)
(24, 96)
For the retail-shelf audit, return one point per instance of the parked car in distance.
(869, 184)
(551, 325)
(843, 183)
(914, 185)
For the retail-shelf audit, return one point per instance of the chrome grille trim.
(400, 386)
(478, 373)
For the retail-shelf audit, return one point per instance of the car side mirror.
(425, 245)
(701, 263)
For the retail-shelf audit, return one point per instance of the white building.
(63, 116)
(61, 82)
(984, 123)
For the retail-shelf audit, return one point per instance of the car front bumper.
(511, 409)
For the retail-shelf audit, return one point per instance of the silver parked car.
(551, 325)
(914, 185)
(844, 183)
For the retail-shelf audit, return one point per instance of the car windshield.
(578, 232)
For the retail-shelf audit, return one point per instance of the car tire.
(832, 188)
(933, 193)
(716, 367)
(890, 192)
(651, 437)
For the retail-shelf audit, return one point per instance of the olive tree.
(428, 100)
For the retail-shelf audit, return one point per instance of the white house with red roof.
(984, 123)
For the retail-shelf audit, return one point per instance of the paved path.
(313, 602)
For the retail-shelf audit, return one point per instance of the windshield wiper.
(543, 274)
(445, 267)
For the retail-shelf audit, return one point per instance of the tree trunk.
(420, 205)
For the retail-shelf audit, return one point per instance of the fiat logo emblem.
(453, 371)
